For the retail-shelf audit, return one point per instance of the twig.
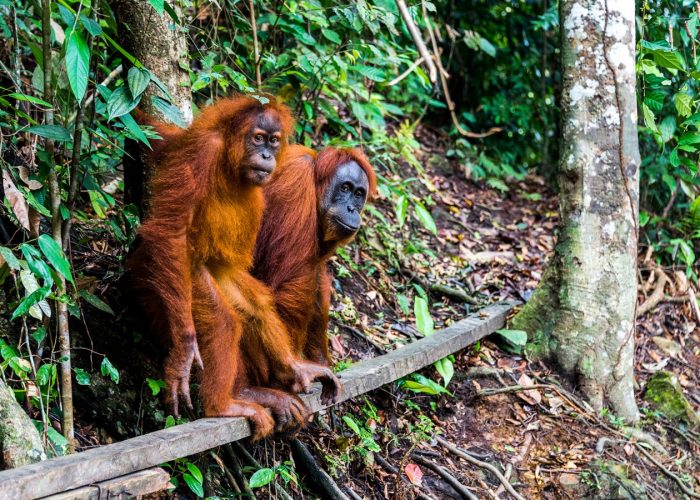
(454, 293)
(418, 40)
(256, 57)
(694, 303)
(231, 479)
(410, 70)
(463, 454)
(442, 472)
(364, 337)
(303, 456)
(670, 474)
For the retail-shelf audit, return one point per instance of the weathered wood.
(142, 452)
(133, 485)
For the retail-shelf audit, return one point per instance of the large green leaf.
(169, 111)
(424, 321)
(425, 218)
(121, 102)
(261, 477)
(77, 63)
(55, 132)
(53, 252)
(30, 300)
(138, 80)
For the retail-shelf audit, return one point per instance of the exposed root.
(466, 456)
(451, 480)
(666, 471)
(303, 457)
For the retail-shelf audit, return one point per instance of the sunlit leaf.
(77, 63)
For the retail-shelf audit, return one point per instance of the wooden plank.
(133, 485)
(119, 459)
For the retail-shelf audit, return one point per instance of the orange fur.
(191, 268)
(292, 250)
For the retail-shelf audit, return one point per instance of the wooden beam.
(133, 485)
(142, 452)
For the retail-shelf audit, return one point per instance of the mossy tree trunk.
(160, 44)
(20, 442)
(582, 315)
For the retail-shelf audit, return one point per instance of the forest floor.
(546, 442)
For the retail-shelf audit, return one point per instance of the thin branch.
(449, 478)
(418, 40)
(670, 474)
(410, 70)
(56, 232)
(466, 456)
(256, 55)
(303, 456)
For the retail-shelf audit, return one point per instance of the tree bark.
(582, 315)
(20, 441)
(160, 44)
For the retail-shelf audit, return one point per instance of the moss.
(539, 347)
(665, 393)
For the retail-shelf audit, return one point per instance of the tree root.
(440, 471)
(237, 471)
(303, 457)
(670, 474)
(357, 333)
(484, 465)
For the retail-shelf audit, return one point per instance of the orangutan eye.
(274, 140)
(344, 188)
(258, 138)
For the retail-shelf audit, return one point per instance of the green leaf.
(404, 304)
(29, 98)
(134, 129)
(96, 302)
(262, 477)
(9, 258)
(43, 374)
(446, 369)
(649, 118)
(683, 102)
(400, 209)
(352, 424)
(169, 111)
(194, 485)
(424, 321)
(53, 252)
(77, 64)
(138, 78)
(81, 376)
(689, 138)
(514, 340)
(194, 470)
(33, 298)
(422, 384)
(155, 385)
(331, 35)
(108, 369)
(669, 59)
(120, 103)
(370, 72)
(92, 26)
(55, 132)
(59, 442)
(425, 218)
(487, 47)
(667, 128)
(159, 5)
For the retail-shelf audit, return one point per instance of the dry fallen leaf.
(16, 199)
(414, 474)
(532, 396)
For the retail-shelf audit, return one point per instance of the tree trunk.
(20, 442)
(161, 46)
(582, 315)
